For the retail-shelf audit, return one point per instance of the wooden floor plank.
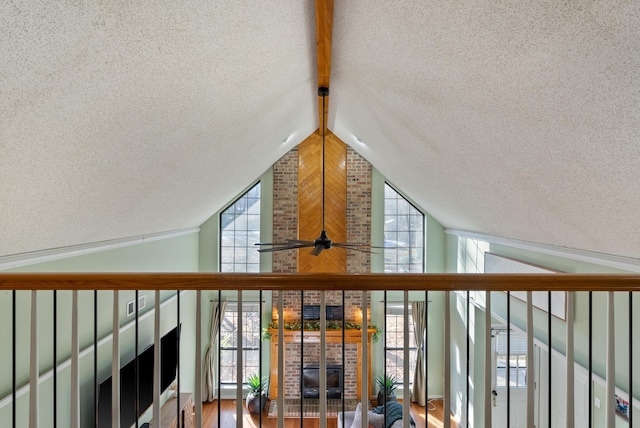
(228, 417)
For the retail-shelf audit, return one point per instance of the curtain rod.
(400, 302)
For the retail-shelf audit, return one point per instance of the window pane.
(253, 222)
(517, 359)
(251, 331)
(395, 343)
(501, 377)
(253, 257)
(403, 234)
(240, 231)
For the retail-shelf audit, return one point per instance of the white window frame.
(396, 247)
(397, 310)
(517, 353)
(247, 307)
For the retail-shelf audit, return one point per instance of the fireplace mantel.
(313, 336)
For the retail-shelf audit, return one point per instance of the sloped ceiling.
(514, 119)
(517, 119)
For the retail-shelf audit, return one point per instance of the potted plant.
(256, 399)
(387, 385)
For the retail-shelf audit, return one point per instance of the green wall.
(176, 254)
(581, 320)
(456, 253)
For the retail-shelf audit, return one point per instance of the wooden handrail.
(319, 281)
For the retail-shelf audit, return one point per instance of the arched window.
(239, 231)
(404, 252)
(403, 234)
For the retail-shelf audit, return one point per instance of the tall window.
(394, 346)
(517, 359)
(239, 231)
(231, 325)
(403, 234)
(404, 239)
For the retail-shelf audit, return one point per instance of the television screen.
(168, 357)
(168, 364)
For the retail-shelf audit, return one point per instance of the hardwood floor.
(228, 417)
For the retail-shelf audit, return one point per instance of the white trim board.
(26, 259)
(609, 260)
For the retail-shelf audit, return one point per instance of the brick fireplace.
(358, 228)
(292, 305)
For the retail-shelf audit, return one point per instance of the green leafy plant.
(315, 325)
(256, 385)
(387, 384)
(266, 335)
(375, 336)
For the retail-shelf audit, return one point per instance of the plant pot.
(391, 397)
(255, 405)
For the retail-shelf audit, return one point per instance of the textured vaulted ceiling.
(517, 119)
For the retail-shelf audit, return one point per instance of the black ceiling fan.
(322, 242)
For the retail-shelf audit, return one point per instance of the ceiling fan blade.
(317, 250)
(351, 244)
(283, 247)
(287, 242)
(362, 249)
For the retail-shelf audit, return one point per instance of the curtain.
(419, 329)
(209, 382)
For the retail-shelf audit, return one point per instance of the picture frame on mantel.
(494, 263)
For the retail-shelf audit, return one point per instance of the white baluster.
(611, 364)
(364, 390)
(570, 408)
(115, 363)
(323, 361)
(198, 380)
(75, 368)
(156, 360)
(488, 380)
(280, 359)
(447, 362)
(530, 365)
(239, 374)
(34, 387)
(406, 393)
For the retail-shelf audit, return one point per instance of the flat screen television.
(168, 366)
(311, 381)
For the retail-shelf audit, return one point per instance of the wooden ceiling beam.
(324, 30)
